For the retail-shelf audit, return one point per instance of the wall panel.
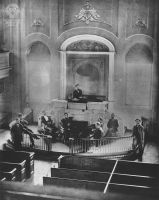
(138, 76)
(38, 17)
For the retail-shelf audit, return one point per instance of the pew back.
(134, 180)
(18, 157)
(80, 174)
(20, 169)
(86, 163)
(122, 191)
(8, 171)
(74, 183)
(138, 169)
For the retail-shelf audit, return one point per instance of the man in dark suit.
(138, 134)
(77, 93)
(112, 125)
(66, 125)
(17, 134)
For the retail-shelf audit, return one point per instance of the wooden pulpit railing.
(101, 147)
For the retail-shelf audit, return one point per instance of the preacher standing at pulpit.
(77, 93)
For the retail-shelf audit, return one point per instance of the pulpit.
(84, 112)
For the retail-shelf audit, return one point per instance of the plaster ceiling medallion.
(140, 23)
(87, 14)
(37, 22)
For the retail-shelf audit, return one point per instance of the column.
(111, 81)
(62, 75)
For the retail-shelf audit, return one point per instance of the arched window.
(89, 61)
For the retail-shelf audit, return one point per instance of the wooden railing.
(103, 146)
(106, 146)
(43, 143)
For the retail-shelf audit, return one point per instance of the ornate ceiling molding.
(87, 14)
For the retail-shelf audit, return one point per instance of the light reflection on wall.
(88, 77)
(39, 73)
(139, 75)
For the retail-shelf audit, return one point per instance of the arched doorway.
(88, 60)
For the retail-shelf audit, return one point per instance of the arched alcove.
(38, 72)
(89, 61)
(138, 75)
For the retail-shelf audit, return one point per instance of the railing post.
(71, 142)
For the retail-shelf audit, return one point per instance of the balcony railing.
(43, 143)
(107, 146)
(103, 146)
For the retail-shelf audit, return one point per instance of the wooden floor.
(42, 168)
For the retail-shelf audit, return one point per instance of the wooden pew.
(74, 183)
(134, 180)
(2, 177)
(23, 191)
(10, 156)
(8, 171)
(86, 163)
(80, 174)
(121, 191)
(20, 169)
(137, 169)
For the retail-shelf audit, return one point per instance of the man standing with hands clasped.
(138, 134)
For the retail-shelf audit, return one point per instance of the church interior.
(79, 99)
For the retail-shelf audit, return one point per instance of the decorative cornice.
(87, 14)
(87, 45)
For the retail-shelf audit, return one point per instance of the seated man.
(51, 129)
(112, 126)
(44, 118)
(98, 132)
(47, 126)
(77, 93)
